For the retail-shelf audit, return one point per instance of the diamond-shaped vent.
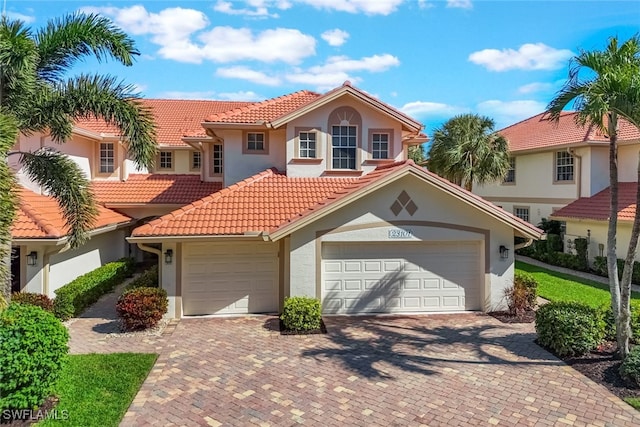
(404, 202)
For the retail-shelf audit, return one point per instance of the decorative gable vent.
(404, 202)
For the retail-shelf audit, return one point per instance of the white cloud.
(530, 56)
(188, 95)
(257, 8)
(240, 96)
(335, 37)
(246, 73)
(139, 87)
(424, 4)
(172, 29)
(27, 19)
(322, 81)
(534, 87)
(460, 4)
(506, 113)
(434, 109)
(368, 7)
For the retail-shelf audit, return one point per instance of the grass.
(633, 401)
(97, 389)
(555, 286)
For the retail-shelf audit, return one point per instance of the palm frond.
(63, 179)
(66, 40)
(8, 200)
(18, 59)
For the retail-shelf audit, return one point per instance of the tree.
(466, 150)
(604, 85)
(38, 95)
(416, 153)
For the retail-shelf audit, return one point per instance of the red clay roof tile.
(40, 217)
(154, 189)
(539, 132)
(597, 206)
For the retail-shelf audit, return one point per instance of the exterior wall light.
(504, 252)
(168, 256)
(32, 258)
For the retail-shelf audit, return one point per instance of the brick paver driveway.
(454, 370)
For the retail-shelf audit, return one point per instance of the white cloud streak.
(335, 37)
(245, 73)
(460, 4)
(530, 56)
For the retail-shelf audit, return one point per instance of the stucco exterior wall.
(181, 162)
(627, 163)
(597, 233)
(439, 218)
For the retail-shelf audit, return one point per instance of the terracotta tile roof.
(154, 189)
(265, 111)
(39, 217)
(174, 118)
(539, 132)
(271, 201)
(597, 206)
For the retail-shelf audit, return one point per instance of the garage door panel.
(414, 277)
(229, 279)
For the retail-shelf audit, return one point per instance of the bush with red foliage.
(142, 308)
(31, 298)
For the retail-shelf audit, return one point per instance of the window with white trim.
(216, 165)
(107, 157)
(307, 145)
(166, 160)
(255, 141)
(380, 145)
(564, 166)
(510, 177)
(521, 212)
(343, 141)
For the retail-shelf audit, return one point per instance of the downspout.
(158, 252)
(524, 244)
(578, 175)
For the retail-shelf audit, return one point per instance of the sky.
(432, 59)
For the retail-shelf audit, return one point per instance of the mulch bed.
(31, 417)
(506, 317)
(322, 330)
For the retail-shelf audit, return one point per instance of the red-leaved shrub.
(31, 298)
(142, 308)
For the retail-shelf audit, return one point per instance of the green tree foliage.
(604, 85)
(417, 154)
(466, 150)
(38, 94)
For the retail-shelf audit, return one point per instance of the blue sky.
(432, 59)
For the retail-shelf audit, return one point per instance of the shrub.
(600, 268)
(301, 314)
(33, 350)
(73, 298)
(30, 298)
(630, 368)
(582, 248)
(142, 308)
(148, 279)
(567, 261)
(569, 328)
(610, 326)
(523, 295)
(554, 243)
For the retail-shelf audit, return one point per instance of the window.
(521, 212)
(166, 160)
(510, 177)
(343, 140)
(107, 157)
(196, 160)
(216, 164)
(255, 141)
(564, 166)
(380, 145)
(307, 148)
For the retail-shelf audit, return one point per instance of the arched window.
(345, 125)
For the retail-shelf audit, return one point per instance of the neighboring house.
(309, 194)
(561, 171)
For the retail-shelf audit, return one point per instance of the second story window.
(196, 160)
(307, 148)
(255, 141)
(166, 160)
(510, 177)
(380, 146)
(107, 157)
(343, 141)
(563, 167)
(216, 161)
(521, 212)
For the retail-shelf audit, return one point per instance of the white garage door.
(232, 278)
(400, 277)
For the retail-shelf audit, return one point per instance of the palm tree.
(466, 150)
(603, 86)
(38, 95)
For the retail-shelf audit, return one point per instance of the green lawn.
(555, 286)
(97, 389)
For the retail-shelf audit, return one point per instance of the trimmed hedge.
(31, 298)
(630, 368)
(301, 314)
(33, 351)
(142, 308)
(600, 268)
(569, 328)
(73, 298)
(610, 326)
(148, 279)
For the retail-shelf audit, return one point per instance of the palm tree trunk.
(612, 259)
